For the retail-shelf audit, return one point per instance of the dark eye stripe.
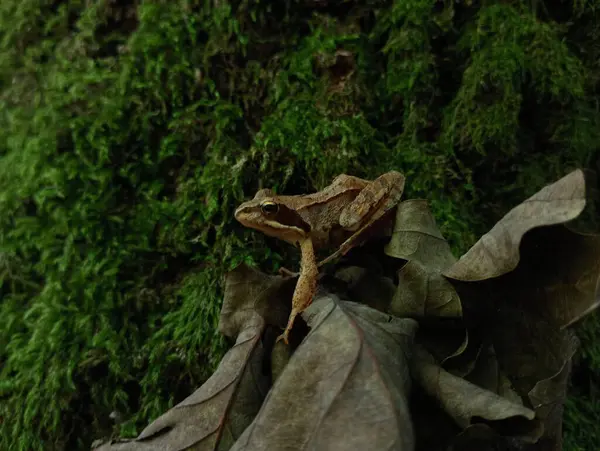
(290, 217)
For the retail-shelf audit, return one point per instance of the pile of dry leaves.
(410, 349)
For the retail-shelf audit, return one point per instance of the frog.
(338, 216)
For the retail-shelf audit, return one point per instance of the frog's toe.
(284, 337)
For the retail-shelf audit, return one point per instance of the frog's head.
(274, 216)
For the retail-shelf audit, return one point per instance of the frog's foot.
(287, 273)
(284, 337)
(290, 324)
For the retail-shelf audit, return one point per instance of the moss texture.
(129, 132)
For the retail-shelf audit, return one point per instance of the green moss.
(509, 48)
(582, 410)
(129, 134)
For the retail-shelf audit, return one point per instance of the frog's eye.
(269, 207)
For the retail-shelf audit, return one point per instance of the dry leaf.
(497, 252)
(366, 287)
(466, 357)
(280, 356)
(481, 437)
(467, 403)
(523, 283)
(524, 342)
(203, 420)
(531, 347)
(417, 237)
(551, 270)
(548, 398)
(216, 414)
(422, 291)
(562, 271)
(525, 311)
(345, 387)
(250, 293)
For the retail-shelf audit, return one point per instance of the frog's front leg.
(305, 287)
(287, 273)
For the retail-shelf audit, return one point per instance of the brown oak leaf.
(345, 387)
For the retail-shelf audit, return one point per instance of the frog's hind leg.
(353, 241)
(288, 328)
(373, 202)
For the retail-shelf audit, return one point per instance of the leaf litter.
(485, 338)
(345, 387)
(217, 413)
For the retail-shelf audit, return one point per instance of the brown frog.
(339, 215)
